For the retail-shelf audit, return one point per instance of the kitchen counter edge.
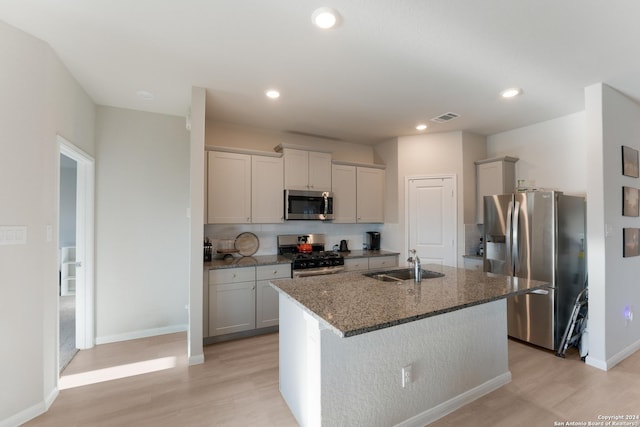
(361, 253)
(249, 261)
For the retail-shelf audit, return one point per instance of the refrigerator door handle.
(515, 253)
(509, 242)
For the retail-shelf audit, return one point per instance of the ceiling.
(388, 66)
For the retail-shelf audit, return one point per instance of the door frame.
(85, 246)
(407, 213)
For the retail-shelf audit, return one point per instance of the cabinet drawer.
(383, 262)
(473, 264)
(276, 271)
(232, 275)
(356, 264)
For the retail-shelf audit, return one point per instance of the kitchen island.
(348, 342)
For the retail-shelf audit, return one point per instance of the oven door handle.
(323, 272)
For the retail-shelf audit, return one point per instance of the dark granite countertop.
(352, 304)
(367, 254)
(247, 261)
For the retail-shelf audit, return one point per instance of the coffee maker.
(373, 240)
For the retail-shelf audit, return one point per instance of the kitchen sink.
(398, 275)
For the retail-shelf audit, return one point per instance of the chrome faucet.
(417, 268)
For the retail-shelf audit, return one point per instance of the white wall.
(553, 154)
(39, 100)
(431, 154)
(613, 121)
(196, 234)
(142, 230)
(226, 135)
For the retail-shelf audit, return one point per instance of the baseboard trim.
(141, 334)
(239, 335)
(447, 407)
(615, 359)
(196, 360)
(31, 412)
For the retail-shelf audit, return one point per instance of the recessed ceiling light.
(511, 92)
(325, 18)
(273, 94)
(145, 95)
(421, 127)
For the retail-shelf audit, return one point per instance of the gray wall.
(142, 233)
(68, 174)
(40, 100)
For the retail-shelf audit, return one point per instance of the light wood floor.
(238, 386)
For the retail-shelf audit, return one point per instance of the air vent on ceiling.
(446, 117)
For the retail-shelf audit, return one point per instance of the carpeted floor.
(67, 330)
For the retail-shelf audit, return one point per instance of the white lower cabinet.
(371, 263)
(356, 264)
(232, 303)
(383, 262)
(241, 299)
(473, 263)
(266, 297)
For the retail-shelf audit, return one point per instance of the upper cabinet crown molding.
(360, 165)
(241, 151)
(497, 159)
(280, 147)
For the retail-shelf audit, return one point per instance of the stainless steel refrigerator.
(539, 235)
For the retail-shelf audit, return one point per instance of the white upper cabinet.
(493, 176)
(307, 170)
(267, 190)
(319, 171)
(344, 193)
(229, 188)
(370, 194)
(358, 194)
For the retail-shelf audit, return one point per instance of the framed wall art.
(630, 162)
(630, 238)
(630, 199)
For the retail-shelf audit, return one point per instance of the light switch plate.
(13, 235)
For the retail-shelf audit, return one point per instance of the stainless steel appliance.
(314, 263)
(538, 235)
(373, 238)
(308, 205)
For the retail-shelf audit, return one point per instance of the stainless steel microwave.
(310, 205)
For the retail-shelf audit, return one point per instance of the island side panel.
(455, 357)
(299, 355)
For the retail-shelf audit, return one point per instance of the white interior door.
(432, 219)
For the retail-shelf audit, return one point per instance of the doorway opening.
(67, 257)
(76, 250)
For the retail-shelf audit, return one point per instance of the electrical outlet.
(628, 315)
(406, 376)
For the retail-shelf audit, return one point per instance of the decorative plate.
(247, 244)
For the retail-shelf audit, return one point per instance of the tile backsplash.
(354, 234)
(472, 234)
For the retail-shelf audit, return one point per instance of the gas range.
(314, 263)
